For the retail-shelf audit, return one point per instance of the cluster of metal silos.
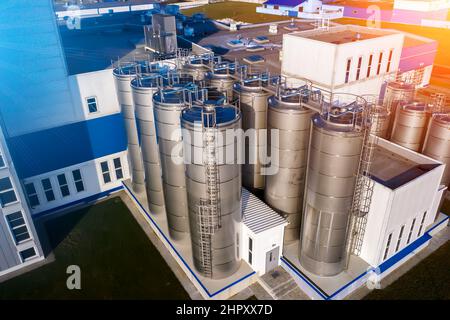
(201, 199)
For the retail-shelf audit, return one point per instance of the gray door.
(272, 259)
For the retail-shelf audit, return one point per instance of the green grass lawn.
(429, 280)
(238, 11)
(116, 258)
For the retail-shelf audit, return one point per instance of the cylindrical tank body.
(334, 155)
(396, 92)
(410, 125)
(123, 76)
(253, 101)
(197, 67)
(143, 89)
(214, 188)
(168, 104)
(380, 122)
(222, 79)
(437, 143)
(284, 189)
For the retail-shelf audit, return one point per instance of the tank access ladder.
(209, 213)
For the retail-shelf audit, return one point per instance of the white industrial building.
(81, 115)
(348, 58)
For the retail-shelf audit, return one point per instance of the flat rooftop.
(218, 42)
(394, 170)
(341, 34)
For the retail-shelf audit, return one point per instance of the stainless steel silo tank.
(197, 67)
(143, 88)
(253, 102)
(334, 154)
(396, 92)
(380, 122)
(214, 187)
(437, 143)
(123, 75)
(410, 125)
(284, 189)
(222, 78)
(168, 104)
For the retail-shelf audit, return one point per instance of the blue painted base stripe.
(179, 255)
(381, 268)
(86, 200)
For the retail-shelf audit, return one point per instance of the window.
(105, 171)
(78, 180)
(369, 66)
(33, 198)
(411, 231)
(380, 60)
(347, 70)
(250, 250)
(358, 69)
(48, 189)
(92, 104)
(399, 238)
(118, 168)
(237, 245)
(7, 194)
(2, 162)
(18, 227)
(27, 254)
(386, 251)
(63, 186)
(421, 224)
(276, 7)
(389, 60)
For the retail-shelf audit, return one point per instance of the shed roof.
(258, 216)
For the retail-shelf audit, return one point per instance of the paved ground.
(281, 286)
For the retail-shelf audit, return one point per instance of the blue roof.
(286, 3)
(56, 148)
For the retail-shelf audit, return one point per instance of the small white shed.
(261, 242)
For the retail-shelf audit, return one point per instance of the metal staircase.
(209, 214)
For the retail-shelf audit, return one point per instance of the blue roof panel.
(286, 3)
(56, 148)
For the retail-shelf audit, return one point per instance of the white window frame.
(118, 168)
(5, 163)
(388, 244)
(81, 179)
(63, 185)
(50, 189)
(421, 224)
(108, 172)
(11, 229)
(359, 68)
(250, 250)
(380, 62)
(399, 240)
(13, 189)
(348, 69)
(96, 104)
(33, 194)
(29, 258)
(411, 231)
(369, 65)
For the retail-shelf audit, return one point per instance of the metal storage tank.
(396, 92)
(253, 102)
(168, 104)
(123, 75)
(380, 122)
(437, 143)
(197, 67)
(334, 154)
(143, 89)
(284, 190)
(410, 125)
(222, 78)
(214, 187)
